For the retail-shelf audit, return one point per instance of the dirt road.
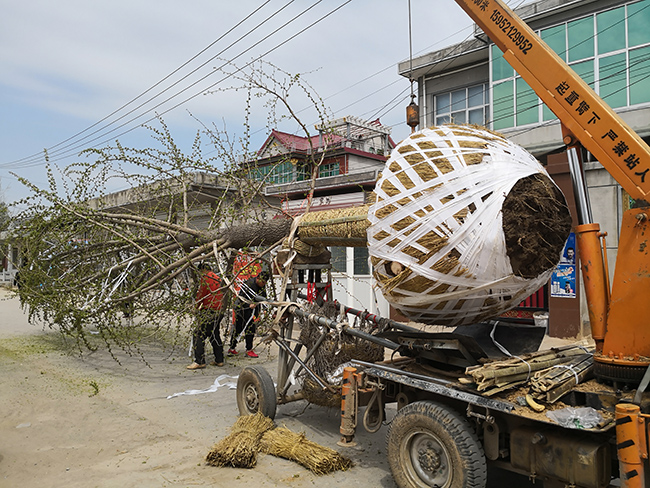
(88, 421)
(70, 421)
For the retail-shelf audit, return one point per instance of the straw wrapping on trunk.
(339, 227)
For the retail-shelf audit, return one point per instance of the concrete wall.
(359, 163)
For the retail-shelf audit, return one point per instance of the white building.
(351, 153)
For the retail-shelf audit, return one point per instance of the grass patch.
(22, 347)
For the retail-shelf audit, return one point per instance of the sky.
(76, 74)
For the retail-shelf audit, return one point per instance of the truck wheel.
(256, 392)
(429, 445)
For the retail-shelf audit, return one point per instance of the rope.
(410, 51)
(506, 352)
(570, 368)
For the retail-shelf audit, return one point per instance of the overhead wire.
(448, 59)
(162, 80)
(383, 110)
(528, 104)
(378, 90)
(229, 62)
(387, 108)
(60, 150)
(195, 83)
(380, 110)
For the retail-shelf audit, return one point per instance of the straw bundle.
(239, 449)
(552, 384)
(471, 222)
(286, 444)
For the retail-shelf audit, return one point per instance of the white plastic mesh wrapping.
(439, 214)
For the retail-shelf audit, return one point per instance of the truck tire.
(430, 445)
(256, 392)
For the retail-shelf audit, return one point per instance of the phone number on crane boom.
(511, 31)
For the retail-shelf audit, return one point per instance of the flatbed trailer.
(445, 432)
(432, 415)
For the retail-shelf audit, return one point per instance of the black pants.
(244, 318)
(207, 327)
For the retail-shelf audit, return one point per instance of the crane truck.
(445, 435)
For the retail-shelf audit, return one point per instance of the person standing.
(209, 313)
(247, 311)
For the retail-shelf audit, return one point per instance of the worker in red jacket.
(209, 305)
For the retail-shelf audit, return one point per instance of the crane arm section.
(580, 110)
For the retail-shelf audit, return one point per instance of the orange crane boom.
(584, 115)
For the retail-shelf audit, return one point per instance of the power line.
(39, 155)
(228, 62)
(390, 66)
(62, 149)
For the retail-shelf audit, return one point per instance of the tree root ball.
(465, 226)
(536, 223)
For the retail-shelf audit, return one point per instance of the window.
(611, 30)
(609, 50)
(580, 34)
(467, 105)
(639, 75)
(274, 173)
(555, 37)
(527, 108)
(331, 169)
(442, 110)
(501, 69)
(361, 266)
(613, 80)
(458, 106)
(339, 259)
(638, 20)
(303, 171)
(504, 107)
(282, 173)
(585, 70)
(476, 104)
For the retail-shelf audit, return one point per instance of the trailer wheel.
(429, 445)
(256, 392)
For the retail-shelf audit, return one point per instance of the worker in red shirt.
(209, 308)
(247, 312)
